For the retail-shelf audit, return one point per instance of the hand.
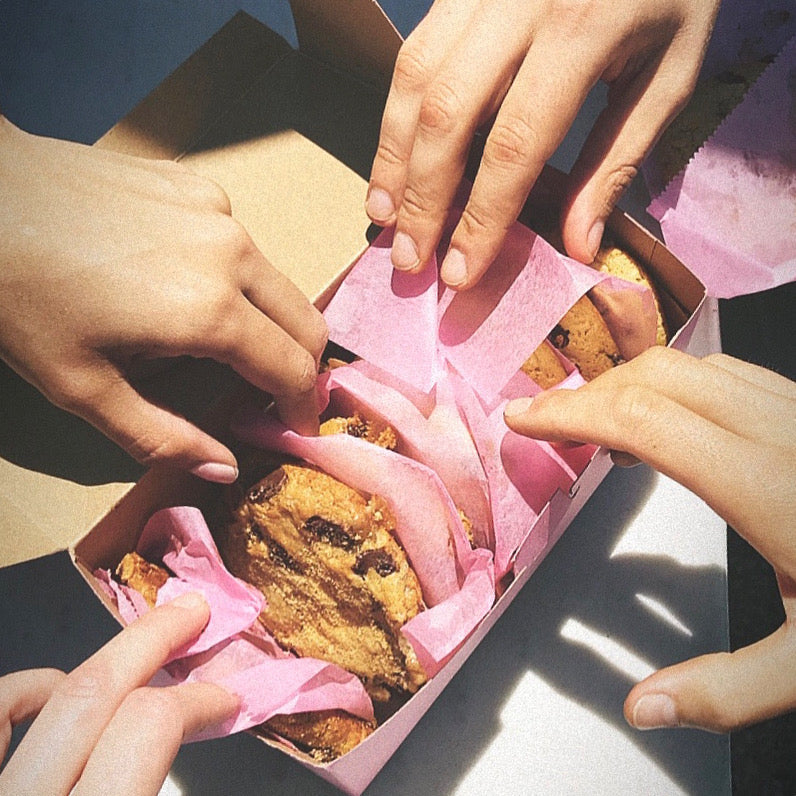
(101, 724)
(530, 65)
(726, 430)
(109, 259)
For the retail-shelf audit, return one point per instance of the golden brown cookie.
(617, 262)
(323, 734)
(143, 576)
(584, 339)
(337, 584)
(544, 367)
(357, 426)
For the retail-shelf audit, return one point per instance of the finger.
(720, 692)
(72, 721)
(717, 394)
(269, 358)
(638, 110)
(417, 62)
(754, 374)
(459, 97)
(741, 479)
(723, 396)
(150, 433)
(529, 126)
(142, 739)
(271, 292)
(22, 696)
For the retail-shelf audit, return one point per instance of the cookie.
(337, 584)
(357, 426)
(584, 339)
(617, 262)
(544, 367)
(323, 734)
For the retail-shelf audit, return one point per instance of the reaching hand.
(530, 65)
(726, 430)
(101, 728)
(109, 259)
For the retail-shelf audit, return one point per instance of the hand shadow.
(579, 581)
(39, 436)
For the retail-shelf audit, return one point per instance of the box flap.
(178, 111)
(353, 35)
(41, 514)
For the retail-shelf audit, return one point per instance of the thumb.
(722, 691)
(150, 433)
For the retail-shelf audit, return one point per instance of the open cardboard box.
(290, 136)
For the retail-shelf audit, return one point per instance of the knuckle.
(617, 183)
(86, 683)
(207, 192)
(717, 358)
(305, 374)
(511, 144)
(317, 334)
(155, 707)
(633, 408)
(149, 450)
(219, 239)
(415, 205)
(441, 110)
(388, 152)
(68, 389)
(478, 220)
(412, 69)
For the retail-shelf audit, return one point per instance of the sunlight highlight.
(612, 652)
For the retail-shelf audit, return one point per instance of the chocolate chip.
(559, 336)
(357, 427)
(264, 490)
(330, 532)
(380, 560)
(282, 558)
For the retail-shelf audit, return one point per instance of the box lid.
(289, 134)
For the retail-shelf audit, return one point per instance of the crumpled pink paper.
(461, 353)
(731, 214)
(429, 430)
(413, 327)
(234, 651)
(457, 581)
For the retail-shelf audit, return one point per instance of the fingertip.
(651, 711)
(404, 254)
(517, 408)
(380, 207)
(454, 271)
(192, 600)
(216, 472)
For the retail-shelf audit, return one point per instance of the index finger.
(538, 110)
(82, 704)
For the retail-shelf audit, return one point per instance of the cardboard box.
(290, 135)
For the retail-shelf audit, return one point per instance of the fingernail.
(595, 238)
(653, 711)
(190, 600)
(517, 407)
(454, 268)
(379, 205)
(216, 472)
(404, 252)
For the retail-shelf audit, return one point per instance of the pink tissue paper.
(731, 214)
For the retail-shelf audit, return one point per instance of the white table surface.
(638, 581)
